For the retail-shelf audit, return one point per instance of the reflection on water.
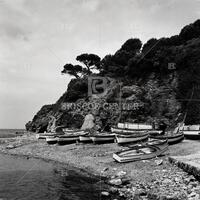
(22, 179)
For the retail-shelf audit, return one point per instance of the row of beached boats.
(142, 141)
(131, 133)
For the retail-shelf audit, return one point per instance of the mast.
(120, 100)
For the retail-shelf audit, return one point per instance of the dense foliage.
(162, 74)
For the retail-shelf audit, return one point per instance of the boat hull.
(137, 153)
(127, 131)
(51, 140)
(85, 139)
(67, 140)
(171, 139)
(46, 135)
(123, 139)
(192, 134)
(103, 139)
(134, 126)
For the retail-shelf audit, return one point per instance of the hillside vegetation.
(160, 76)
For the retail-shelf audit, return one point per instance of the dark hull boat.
(142, 152)
(51, 140)
(191, 132)
(192, 135)
(172, 139)
(103, 138)
(85, 138)
(132, 138)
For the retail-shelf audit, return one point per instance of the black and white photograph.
(100, 99)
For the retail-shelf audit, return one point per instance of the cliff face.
(155, 98)
(158, 85)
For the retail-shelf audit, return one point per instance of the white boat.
(123, 139)
(134, 126)
(126, 127)
(142, 152)
(103, 138)
(51, 140)
(126, 131)
(191, 132)
(46, 135)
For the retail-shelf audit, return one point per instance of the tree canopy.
(91, 61)
(73, 70)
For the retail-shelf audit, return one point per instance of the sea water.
(34, 179)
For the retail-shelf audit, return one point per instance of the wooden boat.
(69, 138)
(191, 132)
(46, 135)
(154, 132)
(124, 139)
(51, 140)
(192, 135)
(62, 130)
(131, 128)
(126, 131)
(85, 138)
(142, 152)
(103, 138)
(172, 139)
(134, 126)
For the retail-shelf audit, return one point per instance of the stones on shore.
(169, 183)
(10, 146)
(115, 181)
(113, 190)
(104, 193)
(121, 173)
(159, 162)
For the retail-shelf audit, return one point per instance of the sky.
(38, 37)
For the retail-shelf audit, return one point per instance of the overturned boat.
(133, 138)
(142, 152)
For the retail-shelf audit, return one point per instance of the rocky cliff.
(156, 83)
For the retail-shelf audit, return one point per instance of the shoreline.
(65, 165)
(147, 179)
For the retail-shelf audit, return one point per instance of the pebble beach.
(148, 179)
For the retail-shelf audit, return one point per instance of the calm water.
(7, 133)
(34, 179)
